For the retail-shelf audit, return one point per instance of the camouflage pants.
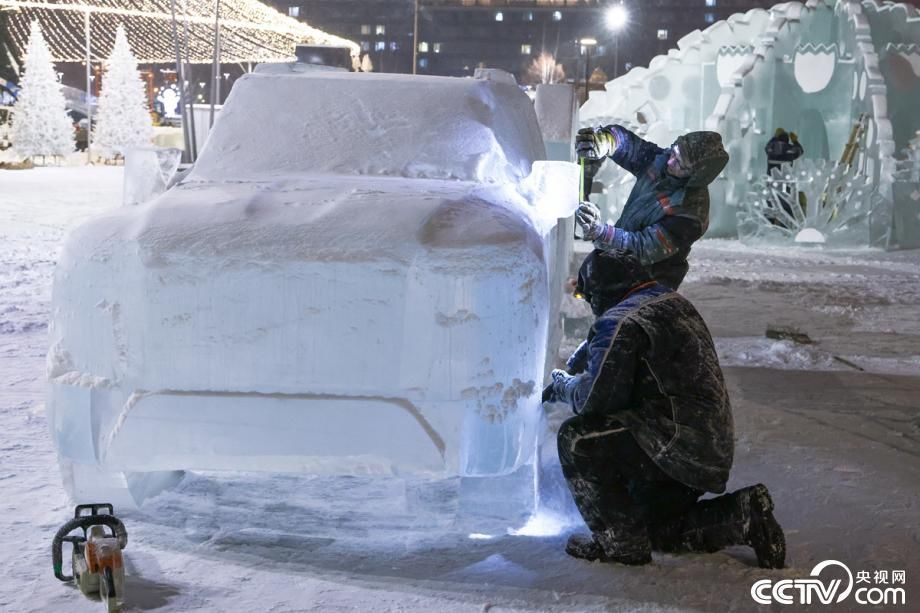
(621, 493)
(631, 505)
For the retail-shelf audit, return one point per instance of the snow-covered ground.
(837, 445)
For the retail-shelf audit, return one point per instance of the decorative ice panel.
(812, 68)
(817, 203)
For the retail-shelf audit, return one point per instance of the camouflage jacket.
(650, 364)
(663, 215)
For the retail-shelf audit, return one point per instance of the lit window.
(525, 49)
(423, 62)
(380, 45)
(662, 35)
(365, 46)
(394, 46)
(436, 47)
(366, 29)
(380, 30)
(423, 47)
(710, 17)
(499, 16)
(293, 11)
(710, 2)
(528, 16)
(557, 16)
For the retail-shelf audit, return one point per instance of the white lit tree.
(124, 119)
(41, 125)
(544, 69)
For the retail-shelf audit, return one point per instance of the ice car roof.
(371, 124)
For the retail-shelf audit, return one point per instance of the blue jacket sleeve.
(656, 242)
(614, 351)
(632, 153)
(578, 360)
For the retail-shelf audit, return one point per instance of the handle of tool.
(547, 393)
(581, 189)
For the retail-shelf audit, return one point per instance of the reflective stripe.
(663, 239)
(582, 437)
(665, 203)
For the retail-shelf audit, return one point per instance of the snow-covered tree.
(124, 118)
(41, 125)
(544, 69)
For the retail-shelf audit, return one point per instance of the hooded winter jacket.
(649, 364)
(781, 150)
(664, 215)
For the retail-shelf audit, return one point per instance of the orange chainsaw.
(98, 567)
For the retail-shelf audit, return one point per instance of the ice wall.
(812, 68)
(288, 307)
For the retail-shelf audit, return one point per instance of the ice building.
(844, 75)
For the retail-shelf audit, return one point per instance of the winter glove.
(588, 218)
(595, 143)
(563, 385)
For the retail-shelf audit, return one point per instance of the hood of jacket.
(705, 154)
(606, 277)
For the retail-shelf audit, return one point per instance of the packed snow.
(837, 447)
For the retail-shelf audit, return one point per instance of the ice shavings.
(496, 402)
(60, 369)
(763, 352)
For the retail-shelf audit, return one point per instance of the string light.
(250, 31)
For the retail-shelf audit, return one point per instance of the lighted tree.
(124, 119)
(598, 77)
(544, 69)
(41, 125)
(366, 64)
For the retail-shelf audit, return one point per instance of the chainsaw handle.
(57, 555)
(94, 509)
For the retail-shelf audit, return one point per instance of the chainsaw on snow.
(96, 561)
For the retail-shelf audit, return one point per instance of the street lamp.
(617, 18)
(587, 44)
(415, 39)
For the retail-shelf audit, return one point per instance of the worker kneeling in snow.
(668, 207)
(653, 427)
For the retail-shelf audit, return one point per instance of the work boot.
(764, 533)
(584, 547)
(744, 517)
(588, 548)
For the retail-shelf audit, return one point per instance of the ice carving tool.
(547, 393)
(96, 561)
(581, 189)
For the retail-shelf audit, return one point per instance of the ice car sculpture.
(812, 68)
(354, 278)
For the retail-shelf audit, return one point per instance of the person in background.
(653, 428)
(667, 209)
(783, 148)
